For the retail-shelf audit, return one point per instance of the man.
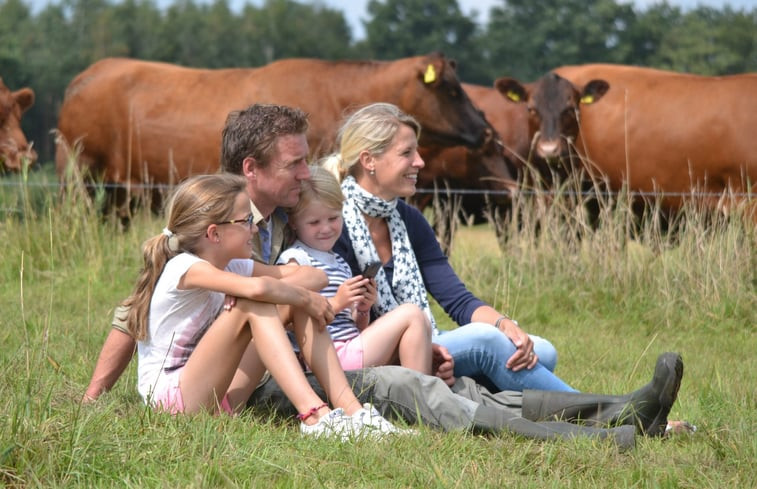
(267, 144)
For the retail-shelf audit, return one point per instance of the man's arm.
(115, 356)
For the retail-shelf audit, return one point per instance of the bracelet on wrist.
(499, 320)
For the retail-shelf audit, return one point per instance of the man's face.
(278, 184)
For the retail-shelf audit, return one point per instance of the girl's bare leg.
(246, 379)
(403, 333)
(276, 352)
(208, 374)
(319, 353)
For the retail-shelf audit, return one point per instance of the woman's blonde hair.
(371, 128)
(322, 186)
(194, 205)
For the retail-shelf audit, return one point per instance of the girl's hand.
(229, 302)
(351, 291)
(369, 296)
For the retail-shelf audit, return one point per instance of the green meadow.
(610, 305)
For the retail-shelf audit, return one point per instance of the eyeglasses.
(249, 220)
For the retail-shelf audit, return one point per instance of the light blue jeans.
(481, 352)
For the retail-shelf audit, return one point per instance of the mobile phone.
(371, 269)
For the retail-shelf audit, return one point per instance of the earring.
(372, 171)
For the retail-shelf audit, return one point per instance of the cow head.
(438, 101)
(492, 169)
(553, 109)
(15, 150)
(481, 168)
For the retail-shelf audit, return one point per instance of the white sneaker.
(334, 424)
(369, 422)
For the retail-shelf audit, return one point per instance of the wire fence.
(423, 191)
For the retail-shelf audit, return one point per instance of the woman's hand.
(524, 356)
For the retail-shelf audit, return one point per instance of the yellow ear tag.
(587, 99)
(513, 96)
(430, 75)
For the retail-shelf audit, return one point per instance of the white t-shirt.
(177, 321)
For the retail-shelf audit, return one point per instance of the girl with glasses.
(195, 353)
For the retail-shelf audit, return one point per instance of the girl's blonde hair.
(371, 128)
(194, 205)
(322, 186)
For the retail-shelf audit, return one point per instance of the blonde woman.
(379, 162)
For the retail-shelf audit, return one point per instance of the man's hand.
(442, 364)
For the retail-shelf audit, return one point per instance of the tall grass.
(609, 303)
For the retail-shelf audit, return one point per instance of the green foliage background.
(523, 38)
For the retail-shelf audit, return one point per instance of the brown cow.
(661, 131)
(482, 169)
(141, 121)
(552, 119)
(15, 150)
(488, 168)
(508, 120)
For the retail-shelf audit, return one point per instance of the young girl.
(197, 354)
(402, 336)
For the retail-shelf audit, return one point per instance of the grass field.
(609, 304)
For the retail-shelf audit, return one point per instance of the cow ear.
(593, 91)
(24, 98)
(511, 89)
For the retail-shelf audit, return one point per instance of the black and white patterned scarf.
(407, 283)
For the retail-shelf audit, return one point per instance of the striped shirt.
(342, 328)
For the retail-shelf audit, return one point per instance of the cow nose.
(488, 135)
(548, 148)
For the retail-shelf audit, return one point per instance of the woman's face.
(396, 169)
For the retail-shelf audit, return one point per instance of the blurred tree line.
(522, 38)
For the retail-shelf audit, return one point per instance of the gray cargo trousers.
(401, 393)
